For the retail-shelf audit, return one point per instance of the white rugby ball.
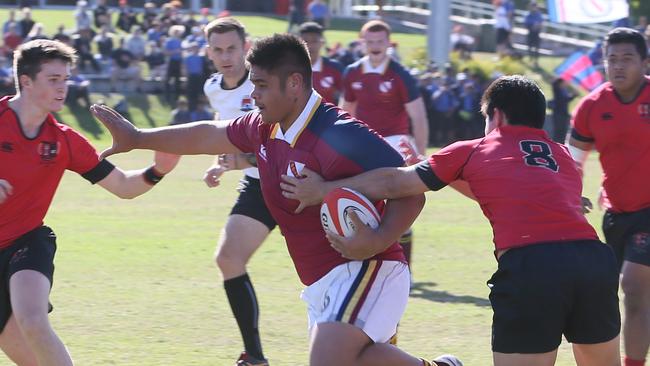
(336, 208)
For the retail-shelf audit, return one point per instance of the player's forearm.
(579, 151)
(377, 184)
(204, 137)
(399, 215)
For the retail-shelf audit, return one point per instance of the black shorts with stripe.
(543, 291)
(250, 202)
(35, 251)
(629, 235)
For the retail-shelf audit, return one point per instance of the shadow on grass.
(141, 102)
(85, 120)
(424, 290)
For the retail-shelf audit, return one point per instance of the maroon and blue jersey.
(381, 94)
(527, 185)
(328, 141)
(34, 167)
(327, 77)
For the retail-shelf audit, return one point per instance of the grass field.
(136, 284)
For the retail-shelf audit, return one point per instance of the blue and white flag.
(587, 11)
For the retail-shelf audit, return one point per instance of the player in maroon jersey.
(615, 119)
(382, 93)
(327, 74)
(354, 305)
(35, 150)
(554, 276)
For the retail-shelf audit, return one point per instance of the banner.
(578, 69)
(587, 11)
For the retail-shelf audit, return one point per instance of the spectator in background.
(9, 21)
(296, 14)
(104, 42)
(77, 89)
(155, 32)
(562, 96)
(205, 17)
(181, 114)
(100, 14)
(319, 13)
(461, 42)
(150, 14)
(126, 18)
(62, 36)
(642, 24)
(533, 22)
(195, 71)
(503, 27)
(445, 104)
(201, 112)
(37, 32)
(82, 43)
(26, 23)
(7, 84)
(156, 62)
(136, 43)
(12, 39)
(196, 36)
(82, 16)
(125, 69)
(174, 53)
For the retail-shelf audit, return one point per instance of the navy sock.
(243, 303)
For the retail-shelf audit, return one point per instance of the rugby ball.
(337, 206)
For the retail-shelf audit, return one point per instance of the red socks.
(630, 362)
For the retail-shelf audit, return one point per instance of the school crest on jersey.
(48, 151)
(386, 86)
(644, 110)
(262, 152)
(294, 169)
(247, 103)
(327, 82)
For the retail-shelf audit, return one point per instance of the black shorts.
(251, 202)
(543, 291)
(629, 235)
(503, 36)
(34, 251)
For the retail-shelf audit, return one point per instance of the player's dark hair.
(310, 27)
(626, 35)
(282, 55)
(520, 99)
(29, 57)
(225, 25)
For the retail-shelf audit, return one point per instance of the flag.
(578, 69)
(587, 11)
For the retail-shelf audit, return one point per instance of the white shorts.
(370, 295)
(394, 140)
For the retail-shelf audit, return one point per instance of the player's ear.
(294, 81)
(247, 45)
(25, 80)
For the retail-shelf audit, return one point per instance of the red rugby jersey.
(328, 141)
(528, 186)
(34, 168)
(621, 134)
(381, 94)
(327, 76)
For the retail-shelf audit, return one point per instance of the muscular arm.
(579, 151)
(418, 114)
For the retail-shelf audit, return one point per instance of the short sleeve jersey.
(621, 134)
(231, 103)
(34, 168)
(528, 186)
(381, 94)
(327, 77)
(328, 141)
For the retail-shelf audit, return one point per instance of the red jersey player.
(615, 119)
(35, 150)
(381, 92)
(327, 74)
(354, 305)
(554, 276)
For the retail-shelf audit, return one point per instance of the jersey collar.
(292, 134)
(367, 68)
(318, 65)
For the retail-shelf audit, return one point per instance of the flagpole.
(438, 31)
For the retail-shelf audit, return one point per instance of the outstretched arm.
(204, 137)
